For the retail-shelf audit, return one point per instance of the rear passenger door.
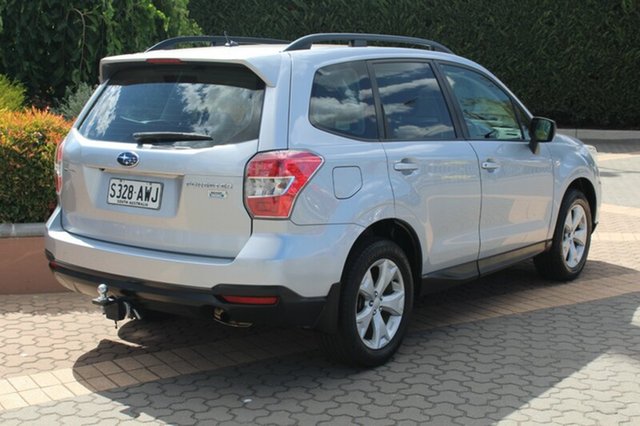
(517, 184)
(434, 173)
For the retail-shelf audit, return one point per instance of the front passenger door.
(517, 185)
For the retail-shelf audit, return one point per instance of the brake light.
(162, 61)
(274, 179)
(58, 167)
(251, 300)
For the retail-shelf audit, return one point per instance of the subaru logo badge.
(128, 159)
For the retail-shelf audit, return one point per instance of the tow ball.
(115, 308)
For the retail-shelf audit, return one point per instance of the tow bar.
(115, 308)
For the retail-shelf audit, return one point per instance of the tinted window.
(412, 102)
(342, 101)
(487, 110)
(224, 102)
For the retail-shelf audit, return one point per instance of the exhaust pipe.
(221, 316)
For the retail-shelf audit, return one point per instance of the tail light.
(274, 179)
(251, 300)
(58, 167)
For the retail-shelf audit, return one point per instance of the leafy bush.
(74, 100)
(28, 140)
(576, 62)
(11, 94)
(53, 44)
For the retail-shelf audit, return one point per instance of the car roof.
(264, 59)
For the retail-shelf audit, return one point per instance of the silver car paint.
(307, 253)
(277, 253)
(572, 160)
(517, 195)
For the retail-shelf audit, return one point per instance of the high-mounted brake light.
(57, 167)
(163, 61)
(274, 179)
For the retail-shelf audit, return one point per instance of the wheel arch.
(400, 233)
(585, 186)
(392, 229)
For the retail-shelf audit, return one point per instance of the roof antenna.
(229, 42)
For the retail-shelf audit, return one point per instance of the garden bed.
(23, 265)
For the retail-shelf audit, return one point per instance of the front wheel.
(571, 240)
(375, 305)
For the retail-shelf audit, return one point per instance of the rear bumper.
(290, 309)
(304, 259)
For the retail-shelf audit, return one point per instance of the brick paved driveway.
(508, 349)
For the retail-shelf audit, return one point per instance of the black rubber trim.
(361, 40)
(290, 310)
(500, 261)
(445, 278)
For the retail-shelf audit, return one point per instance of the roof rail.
(214, 40)
(361, 39)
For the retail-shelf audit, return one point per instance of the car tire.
(375, 305)
(571, 240)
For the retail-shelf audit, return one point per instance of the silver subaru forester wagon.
(318, 185)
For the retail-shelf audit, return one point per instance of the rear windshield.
(223, 102)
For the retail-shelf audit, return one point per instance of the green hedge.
(575, 61)
(28, 141)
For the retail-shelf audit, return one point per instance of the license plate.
(135, 193)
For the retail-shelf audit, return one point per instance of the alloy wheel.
(574, 236)
(380, 304)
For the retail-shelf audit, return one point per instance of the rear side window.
(412, 102)
(342, 101)
(223, 102)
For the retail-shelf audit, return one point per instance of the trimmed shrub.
(28, 140)
(11, 94)
(577, 62)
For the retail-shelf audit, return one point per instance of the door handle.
(401, 166)
(490, 165)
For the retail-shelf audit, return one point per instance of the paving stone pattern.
(508, 349)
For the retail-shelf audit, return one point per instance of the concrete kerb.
(603, 135)
(18, 230)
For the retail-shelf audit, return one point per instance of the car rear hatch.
(158, 160)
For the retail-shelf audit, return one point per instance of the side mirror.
(541, 130)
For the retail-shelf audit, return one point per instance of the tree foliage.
(50, 45)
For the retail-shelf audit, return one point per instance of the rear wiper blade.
(169, 137)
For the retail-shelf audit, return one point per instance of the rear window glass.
(222, 102)
(342, 101)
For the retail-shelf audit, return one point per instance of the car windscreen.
(221, 103)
